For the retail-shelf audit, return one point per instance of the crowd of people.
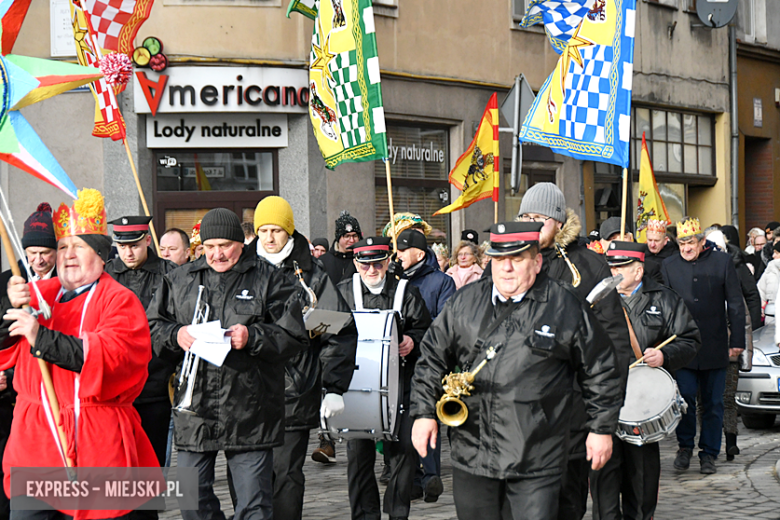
(546, 363)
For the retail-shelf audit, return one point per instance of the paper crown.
(440, 249)
(86, 217)
(688, 228)
(195, 236)
(657, 226)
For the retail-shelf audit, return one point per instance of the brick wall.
(758, 182)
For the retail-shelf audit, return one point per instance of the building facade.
(226, 124)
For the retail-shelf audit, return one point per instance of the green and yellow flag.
(345, 91)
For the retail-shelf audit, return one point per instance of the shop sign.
(216, 131)
(423, 153)
(221, 89)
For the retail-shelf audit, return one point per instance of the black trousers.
(634, 473)
(574, 490)
(155, 418)
(361, 480)
(484, 498)
(288, 475)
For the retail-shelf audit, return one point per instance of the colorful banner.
(583, 110)
(560, 18)
(649, 205)
(476, 172)
(345, 90)
(307, 8)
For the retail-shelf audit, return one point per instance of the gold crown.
(688, 228)
(86, 217)
(657, 226)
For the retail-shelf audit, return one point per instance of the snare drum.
(653, 406)
(371, 405)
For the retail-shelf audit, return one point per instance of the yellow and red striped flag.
(650, 205)
(476, 171)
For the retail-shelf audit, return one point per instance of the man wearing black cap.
(239, 406)
(338, 260)
(610, 230)
(140, 269)
(377, 291)
(319, 247)
(435, 288)
(510, 451)
(656, 313)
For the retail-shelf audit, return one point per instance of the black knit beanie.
(223, 224)
(346, 223)
(100, 243)
(39, 229)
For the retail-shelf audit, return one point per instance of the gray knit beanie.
(545, 199)
(223, 224)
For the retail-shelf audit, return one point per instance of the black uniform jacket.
(519, 411)
(592, 268)
(239, 406)
(330, 360)
(710, 288)
(653, 261)
(657, 313)
(415, 318)
(143, 282)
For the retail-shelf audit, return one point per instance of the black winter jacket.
(338, 265)
(748, 284)
(656, 314)
(592, 268)
(239, 406)
(520, 409)
(435, 286)
(330, 360)
(143, 282)
(415, 318)
(653, 261)
(710, 288)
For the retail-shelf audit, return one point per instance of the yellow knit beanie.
(274, 211)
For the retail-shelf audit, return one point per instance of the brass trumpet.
(450, 409)
(575, 274)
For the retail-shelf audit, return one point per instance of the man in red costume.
(97, 346)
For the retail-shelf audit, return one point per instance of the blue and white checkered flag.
(560, 18)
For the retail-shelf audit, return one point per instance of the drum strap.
(357, 292)
(398, 299)
(632, 336)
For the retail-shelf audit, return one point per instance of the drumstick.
(659, 347)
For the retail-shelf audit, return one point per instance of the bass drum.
(653, 406)
(371, 405)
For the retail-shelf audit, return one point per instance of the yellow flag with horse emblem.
(476, 171)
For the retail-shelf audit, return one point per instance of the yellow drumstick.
(659, 347)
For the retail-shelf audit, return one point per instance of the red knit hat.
(39, 228)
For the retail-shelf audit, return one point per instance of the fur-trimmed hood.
(570, 230)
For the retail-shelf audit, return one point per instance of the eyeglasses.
(526, 218)
(365, 266)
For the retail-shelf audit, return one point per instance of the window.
(519, 7)
(187, 183)
(751, 21)
(679, 143)
(419, 165)
(668, 3)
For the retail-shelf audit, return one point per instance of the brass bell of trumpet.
(450, 409)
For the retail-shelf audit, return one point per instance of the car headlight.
(743, 397)
(759, 359)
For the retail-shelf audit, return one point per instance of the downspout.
(734, 126)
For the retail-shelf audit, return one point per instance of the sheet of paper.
(321, 320)
(214, 353)
(210, 331)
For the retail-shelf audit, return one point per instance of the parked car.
(758, 391)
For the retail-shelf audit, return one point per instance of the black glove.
(395, 268)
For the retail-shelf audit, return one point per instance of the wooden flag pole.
(390, 202)
(623, 205)
(141, 192)
(48, 384)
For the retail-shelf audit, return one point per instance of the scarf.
(276, 258)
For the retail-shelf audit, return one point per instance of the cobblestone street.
(748, 487)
